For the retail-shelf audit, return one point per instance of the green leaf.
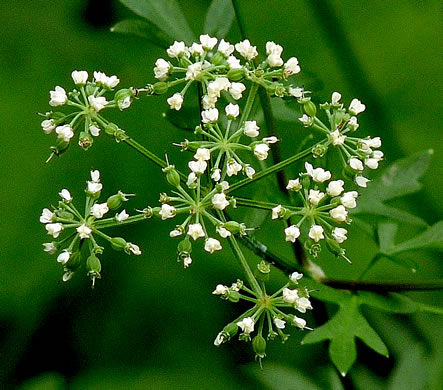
(219, 18)
(431, 238)
(165, 14)
(400, 179)
(186, 119)
(142, 29)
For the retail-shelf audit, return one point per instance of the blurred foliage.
(149, 324)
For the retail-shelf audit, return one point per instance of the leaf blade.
(219, 18)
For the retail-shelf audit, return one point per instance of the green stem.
(111, 222)
(249, 103)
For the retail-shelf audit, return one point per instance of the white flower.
(316, 233)
(50, 248)
(339, 234)
(319, 175)
(274, 60)
(167, 211)
(208, 42)
(361, 181)
(212, 245)
(306, 120)
(236, 90)
(356, 107)
(220, 339)
(47, 216)
(198, 167)
(187, 261)
(353, 124)
(348, 199)
(54, 229)
(372, 163)
(246, 50)
(94, 187)
(80, 77)
(177, 49)
(194, 71)
(378, 154)
(95, 175)
(339, 214)
(224, 185)
(289, 296)
(233, 62)
(270, 140)
(209, 102)
(133, 249)
(356, 164)
(295, 276)
(218, 85)
(105, 81)
(294, 185)
(223, 232)
(67, 276)
(337, 138)
(296, 92)
(225, 48)
(84, 231)
(279, 323)
(249, 171)
(196, 49)
(233, 167)
(335, 188)
(276, 211)
(48, 125)
(65, 195)
(175, 101)
(273, 48)
(97, 103)
(192, 179)
(291, 66)
(246, 325)
(175, 233)
(195, 230)
(292, 233)
(122, 216)
(261, 151)
(335, 101)
(372, 142)
(161, 69)
(58, 97)
(64, 132)
(232, 111)
(63, 257)
(219, 201)
(202, 154)
(302, 304)
(315, 196)
(94, 130)
(99, 209)
(299, 322)
(251, 129)
(210, 116)
(220, 289)
(216, 174)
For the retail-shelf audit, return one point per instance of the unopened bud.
(310, 108)
(259, 346)
(172, 175)
(236, 74)
(118, 243)
(160, 88)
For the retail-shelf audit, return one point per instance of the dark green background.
(149, 324)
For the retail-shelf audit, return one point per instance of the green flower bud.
(172, 175)
(184, 246)
(233, 296)
(60, 146)
(64, 214)
(305, 181)
(118, 243)
(234, 227)
(236, 74)
(111, 129)
(319, 150)
(230, 330)
(115, 201)
(160, 88)
(310, 108)
(90, 89)
(85, 140)
(93, 266)
(259, 346)
(123, 98)
(74, 261)
(218, 59)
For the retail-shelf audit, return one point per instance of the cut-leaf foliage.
(400, 179)
(349, 323)
(219, 18)
(166, 15)
(142, 29)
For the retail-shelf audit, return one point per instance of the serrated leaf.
(186, 119)
(219, 18)
(400, 179)
(166, 15)
(142, 29)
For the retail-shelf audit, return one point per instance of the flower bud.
(93, 266)
(184, 246)
(230, 330)
(172, 175)
(263, 270)
(111, 129)
(319, 150)
(123, 98)
(305, 181)
(334, 247)
(233, 296)
(74, 261)
(259, 346)
(160, 88)
(115, 201)
(234, 227)
(310, 108)
(218, 59)
(236, 74)
(118, 243)
(64, 214)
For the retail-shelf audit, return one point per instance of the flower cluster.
(84, 229)
(87, 101)
(268, 311)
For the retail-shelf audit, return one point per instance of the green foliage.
(142, 29)
(219, 18)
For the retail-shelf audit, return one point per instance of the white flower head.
(225, 48)
(294, 185)
(167, 211)
(277, 211)
(94, 130)
(191, 182)
(99, 209)
(202, 154)
(196, 49)
(210, 115)
(80, 77)
(175, 233)
(64, 132)
(220, 289)
(335, 100)
(122, 216)
(198, 167)
(175, 101)
(356, 107)
(219, 201)
(48, 125)
(319, 175)
(58, 97)
(212, 245)
(97, 103)
(208, 42)
(161, 69)
(270, 140)
(64, 257)
(349, 199)
(251, 129)
(216, 174)
(49, 247)
(209, 102)
(353, 124)
(223, 232)
(295, 276)
(54, 229)
(296, 92)
(273, 48)
(302, 304)
(195, 230)
(339, 213)
(315, 196)
(372, 163)
(233, 167)
(233, 62)
(84, 231)
(274, 60)
(236, 90)
(187, 261)
(133, 249)
(232, 111)
(279, 323)
(335, 188)
(224, 185)
(194, 71)
(339, 234)
(361, 181)
(47, 216)
(95, 175)
(337, 138)
(246, 325)
(292, 233)
(306, 120)
(261, 151)
(356, 164)
(289, 296)
(299, 322)
(292, 66)
(246, 50)
(65, 195)
(94, 187)
(249, 171)
(316, 233)
(108, 82)
(177, 49)
(220, 339)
